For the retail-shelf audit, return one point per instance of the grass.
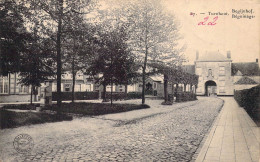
(11, 119)
(96, 108)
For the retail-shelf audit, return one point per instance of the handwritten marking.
(210, 22)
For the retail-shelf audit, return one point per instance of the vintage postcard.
(130, 80)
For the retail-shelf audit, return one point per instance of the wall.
(221, 76)
(15, 98)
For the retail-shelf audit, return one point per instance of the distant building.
(218, 75)
(82, 83)
(9, 85)
(12, 91)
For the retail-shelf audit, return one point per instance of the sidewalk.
(233, 137)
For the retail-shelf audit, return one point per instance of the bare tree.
(153, 34)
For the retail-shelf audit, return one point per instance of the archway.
(210, 88)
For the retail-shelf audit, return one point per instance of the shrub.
(170, 97)
(21, 107)
(167, 103)
(116, 95)
(11, 119)
(66, 96)
(250, 100)
(185, 96)
(96, 108)
(134, 95)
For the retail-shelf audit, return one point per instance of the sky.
(240, 36)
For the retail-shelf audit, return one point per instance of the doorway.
(210, 88)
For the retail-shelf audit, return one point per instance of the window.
(210, 72)
(154, 85)
(24, 89)
(54, 87)
(67, 87)
(221, 70)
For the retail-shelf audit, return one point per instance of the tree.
(53, 16)
(36, 62)
(13, 37)
(78, 43)
(112, 59)
(152, 34)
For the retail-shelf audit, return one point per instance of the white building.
(218, 75)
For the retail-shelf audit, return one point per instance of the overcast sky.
(240, 36)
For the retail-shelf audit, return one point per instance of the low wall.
(15, 98)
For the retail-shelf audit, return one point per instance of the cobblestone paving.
(172, 135)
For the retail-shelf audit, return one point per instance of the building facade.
(219, 76)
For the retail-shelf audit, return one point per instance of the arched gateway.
(210, 88)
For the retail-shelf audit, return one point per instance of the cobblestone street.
(161, 133)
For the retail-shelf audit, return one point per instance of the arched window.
(210, 72)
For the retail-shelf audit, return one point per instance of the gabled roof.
(246, 68)
(213, 57)
(238, 73)
(157, 78)
(246, 80)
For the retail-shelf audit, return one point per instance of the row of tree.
(44, 38)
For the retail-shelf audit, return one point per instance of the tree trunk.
(59, 63)
(34, 93)
(176, 91)
(145, 60)
(31, 93)
(104, 92)
(185, 87)
(165, 88)
(172, 92)
(9, 83)
(73, 80)
(144, 74)
(143, 87)
(190, 87)
(172, 89)
(111, 94)
(125, 90)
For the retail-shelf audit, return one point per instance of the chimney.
(228, 55)
(197, 55)
(256, 60)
